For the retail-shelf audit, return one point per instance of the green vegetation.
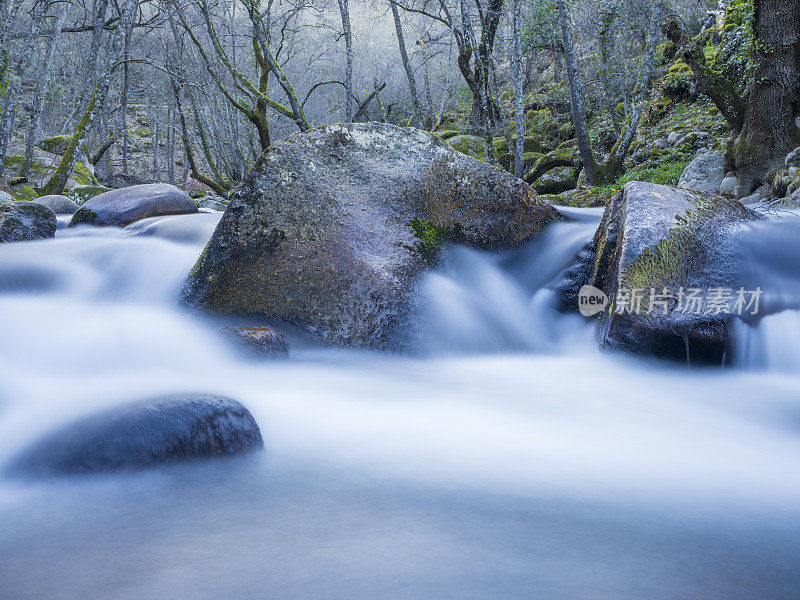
(80, 195)
(432, 238)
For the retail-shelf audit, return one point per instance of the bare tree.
(596, 172)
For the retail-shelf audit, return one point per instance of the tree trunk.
(412, 84)
(61, 175)
(519, 108)
(41, 90)
(769, 131)
(12, 94)
(576, 93)
(348, 78)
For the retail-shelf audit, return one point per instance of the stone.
(259, 342)
(212, 202)
(145, 434)
(61, 205)
(793, 158)
(5, 197)
(471, 145)
(126, 205)
(24, 220)
(704, 173)
(727, 186)
(556, 181)
(655, 237)
(673, 137)
(332, 229)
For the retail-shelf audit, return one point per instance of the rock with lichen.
(23, 221)
(126, 205)
(654, 238)
(332, 228)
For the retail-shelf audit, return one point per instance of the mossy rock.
(561, 157)
(56, 144)
(531, 144)
(556, 181)
(566, 131)
(82, 175)
(24, 192)
(654, 237)
(84, 216)
(197, 194)
(446, 134)
(82, 194)
(13, 181)
(471, 145)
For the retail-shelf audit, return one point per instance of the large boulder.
(331, 229)
(705, 172)
(145, 434)
(655, 246)
(126, 205)
(5, 197)
(61, 205)
(25, 220)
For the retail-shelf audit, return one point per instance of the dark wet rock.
(61, 205)
(126, 205)
(654, 237)
(259, 342)
(25, 220)
(332, 228)
(145, 434)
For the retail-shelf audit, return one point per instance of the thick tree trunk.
(769, 131)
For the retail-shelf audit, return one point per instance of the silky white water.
(507, 458)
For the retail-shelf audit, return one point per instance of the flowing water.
(508, 458)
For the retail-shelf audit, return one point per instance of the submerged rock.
(331, 229)
(259, 342)
(126, 205)
(705, 172)
(25, 220)
(212, 202)
(145, 434)
(664, 242)
(61, 205)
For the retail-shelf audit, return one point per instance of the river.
(506, 458)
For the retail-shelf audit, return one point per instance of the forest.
(107, 94)
(399, 299)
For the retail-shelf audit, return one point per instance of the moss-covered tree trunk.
(769, 131)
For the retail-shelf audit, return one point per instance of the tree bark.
(769, 131)
(576, 93)
(12, 94)
(41, 89)
(349, 104)
(412, 84)
(519, 108)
